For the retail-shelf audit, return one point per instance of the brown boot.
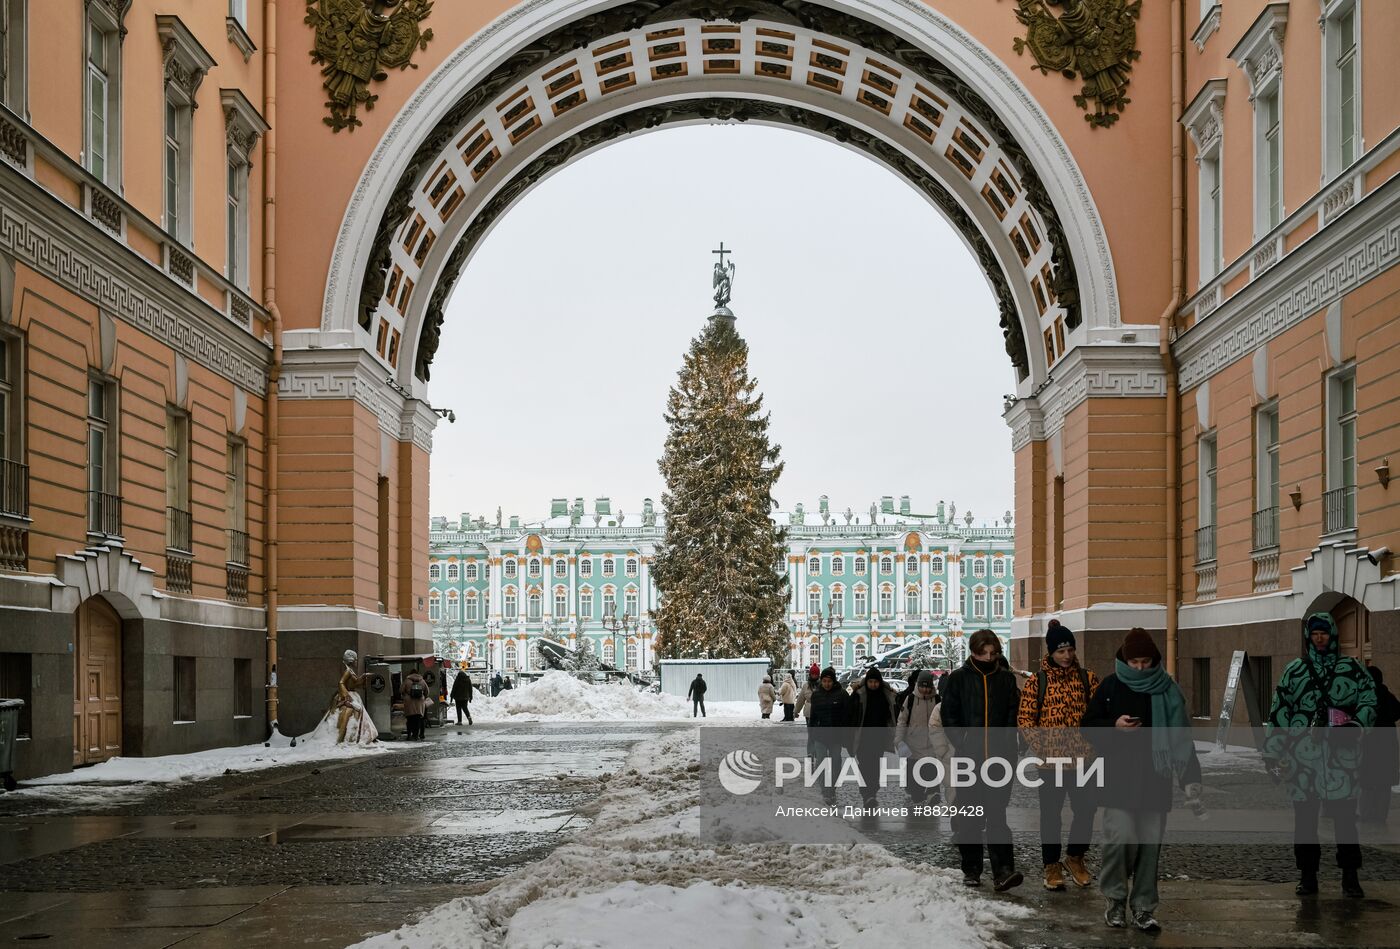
(1054, 876)
(1078, 872)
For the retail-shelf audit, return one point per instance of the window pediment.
(1203, 118)
(243, 125)
(186, 61)
(1259, 54)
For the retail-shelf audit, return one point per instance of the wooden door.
(97, 684)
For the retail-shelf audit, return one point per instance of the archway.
(97, 683)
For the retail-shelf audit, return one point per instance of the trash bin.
(9, 732)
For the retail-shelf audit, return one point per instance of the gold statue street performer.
(347, 709)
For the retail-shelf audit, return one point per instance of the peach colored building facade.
(1217, 257)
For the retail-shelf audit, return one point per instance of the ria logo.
(740, 772)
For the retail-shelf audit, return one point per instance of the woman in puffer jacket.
(917, 733)
(766, 697)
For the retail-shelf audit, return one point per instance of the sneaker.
(1078, 872)
(972, 879)
(1054, 876)
(1115, 915)
(1146, 922)
(1012, 879)
(1351, 886)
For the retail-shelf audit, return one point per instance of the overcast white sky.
(871, 331)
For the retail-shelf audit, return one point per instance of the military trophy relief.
(357, 43)
(1091, 40)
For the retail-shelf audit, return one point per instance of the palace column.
(899, 593)
(954, 563)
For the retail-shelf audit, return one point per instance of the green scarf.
(1171, 732)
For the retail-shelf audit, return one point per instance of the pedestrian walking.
(1136, 721)
(814, 672)
(462, 697)
(1312, 743)
(871, 713)
(1380, 754)
(787, 695)
(979, 716)
(696, 694)
(495, 685)
(806, 693)
(766, 697)
(415, 703)
(919, 735)
(1052, 707)
(506, 684)
(825, 712)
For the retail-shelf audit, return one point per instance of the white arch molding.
(926, 29)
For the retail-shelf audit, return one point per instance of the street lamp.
(493, 628)
(626, 626)
(817, 623)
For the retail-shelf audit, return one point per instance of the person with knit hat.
(825, 710)
(1051, 709)
(979, 717)
(918, 734)
(767, 695)
(1312, 742)
(1136, 721)
(871, 716)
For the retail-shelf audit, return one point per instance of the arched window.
(814, 566)
(860, 566)
(561, 602)
(508, 605)
(452, 571)
(859, 646)
(838, 564)
(837, 603)
(887, 565)
(886, 602)
(999, 567)
(935, 601)
(814, 601)
(434, 571)
(979, 567)
(434, 607)
(979, 602)
(534, 566)
(629, 602)
(609, 566)
(838, 653)
(534, 606)
(911, 565)
(510, 654)
(510, 570)
(561, 567)
(630, 568)
(860, 603)
(535, 660)
(585, 604)
(471, 570)
(911, 600)
(585, 566)
(814, 652)
(631, 655)
(935, 564)
(609, 651)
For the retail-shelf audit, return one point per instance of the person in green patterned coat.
(1312, 742)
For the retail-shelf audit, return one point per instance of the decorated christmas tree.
(721, 567)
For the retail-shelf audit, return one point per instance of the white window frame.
(1338, 51)
(838, 565)
(534, 605)
(585, 603)
(630, 652)
(630, 567)
(814, 652)
(453, 571)
(860, 566)
(609, 567)
(510, 569)
(472, 610)
(886, 602)
(609, 602)
(509, 655)
(1266, 457)
(1207, 460)
(434, 572)
(998, 566)
(979, 566)
(860, 602)
(609, 652)
(561, 602)
(585, 566)
(533, 568)
(836, 605)
(630, 601)
(814, 602)
(186, 63)
(935, 601)
(1341, 468)
(470, 572)
(238, 10)
(979, 602)
(999, 603)
(911, 564)
(434, 607)
(814, 566)
(454, 607)
(911, 601)
(1259, 55)
(102, 80)
(510, 605)
(14, 57)
(935, 564)
(561, 567)
(887, 564)
(1204, 120)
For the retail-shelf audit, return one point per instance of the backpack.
(418, 691)
(1042, 682)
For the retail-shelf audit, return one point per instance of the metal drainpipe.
(1165, 327)
(275, 372)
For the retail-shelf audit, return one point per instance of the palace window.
(533, 603)
(999, 603)
(911, 565)
(609, 652)
(434, 607)
(177, 168)
(814, 602)
(508, 605)
(999, 567)
(585, 566)
(434, 571)
(534, 567)
(1212, 210)
(1205, 530)
(814, 566)
(101, 145)
(1266, 476)
(631, 655)
(510, 653)
(186, 62)
(471, 571)
(979, 602)
(177, 479)
(629, 602)
(631, 567)
(887, 565)
(473, 609)
(1342, 82)
(585, 604)
(935, 565)
(836, 605)
(609, 603)
(886, 602)
(1268, 195)
(935, 604)
(453, 607)
(238, 10)
(1339, 503)
(510, 569)
(911, 601)
(561, 603)
(859, 602)
(979, 567)
(860, 566)
(814, 652)
(452, 571)
(561, 567)
(13, 53)
(838, 564)
(609, 567)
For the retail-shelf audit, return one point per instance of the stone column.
(954, 562)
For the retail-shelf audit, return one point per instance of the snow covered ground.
(641, 876)
(559, 697)
(122, 780)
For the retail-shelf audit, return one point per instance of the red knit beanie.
(1139, 645)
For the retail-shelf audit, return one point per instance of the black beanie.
(1057, 636)
(829, 671)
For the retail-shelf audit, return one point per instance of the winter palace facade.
(860, 583)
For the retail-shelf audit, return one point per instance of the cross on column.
(721, 253)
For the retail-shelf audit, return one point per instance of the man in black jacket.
(825, 713)
(979, 717)
(871, 714)
(697, 696)
(462, 697)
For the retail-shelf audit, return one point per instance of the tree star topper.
(1093, 40)
(357, 41)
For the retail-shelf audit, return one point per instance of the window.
(454, 607)
(631, 655)
(935, 604)
(177, 168)
(238, 10)
(609, 651)
(585, 566)
(510, 570)
(453, 571)
(184, 688)
(13, 54)
(629, 602)
(979, 567)
(17, 682)
(510, 655)
(533, 602)
(14, 478)
(814, 652)
(236, 224)
(101, 144)
(1200, 687)
(836, 606)
(470, 571)
(473, 609)
(1269, 157)
(1266, 476)
(859, 602)
(911, 601)
(814, 602)
(434, 571)
(508, 608)
(886, 565)
(814, 566)
(838, 564)
(609, 603)
(609, 567)
(186, 62)
(177, 478)
(886, 602)
(1339, 504)
(534, 567)
(585, 604)
(935, 565)
(979, 602)
(964, 566)
(631, 567)
(1211, 254)
(242, 688)
(911, 565)
(1342, 111)
(999, 603)
(1205, 531)
(561, 602)
(999, 567)
(561, 567)
(104, 507)
(533, 657)
(434, 607)
(860, 566)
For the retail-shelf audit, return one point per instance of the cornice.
(1108, 370)
(1203, 117)
(1259, 53)
(1209, 24)
(311, 374)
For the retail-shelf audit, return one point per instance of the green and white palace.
(861, 583)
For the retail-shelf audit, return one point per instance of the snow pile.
(559, 697)
(640, 871)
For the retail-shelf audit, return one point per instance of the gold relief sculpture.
(1092, 40)
(357, 41)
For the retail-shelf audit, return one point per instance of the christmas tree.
(720, 569)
